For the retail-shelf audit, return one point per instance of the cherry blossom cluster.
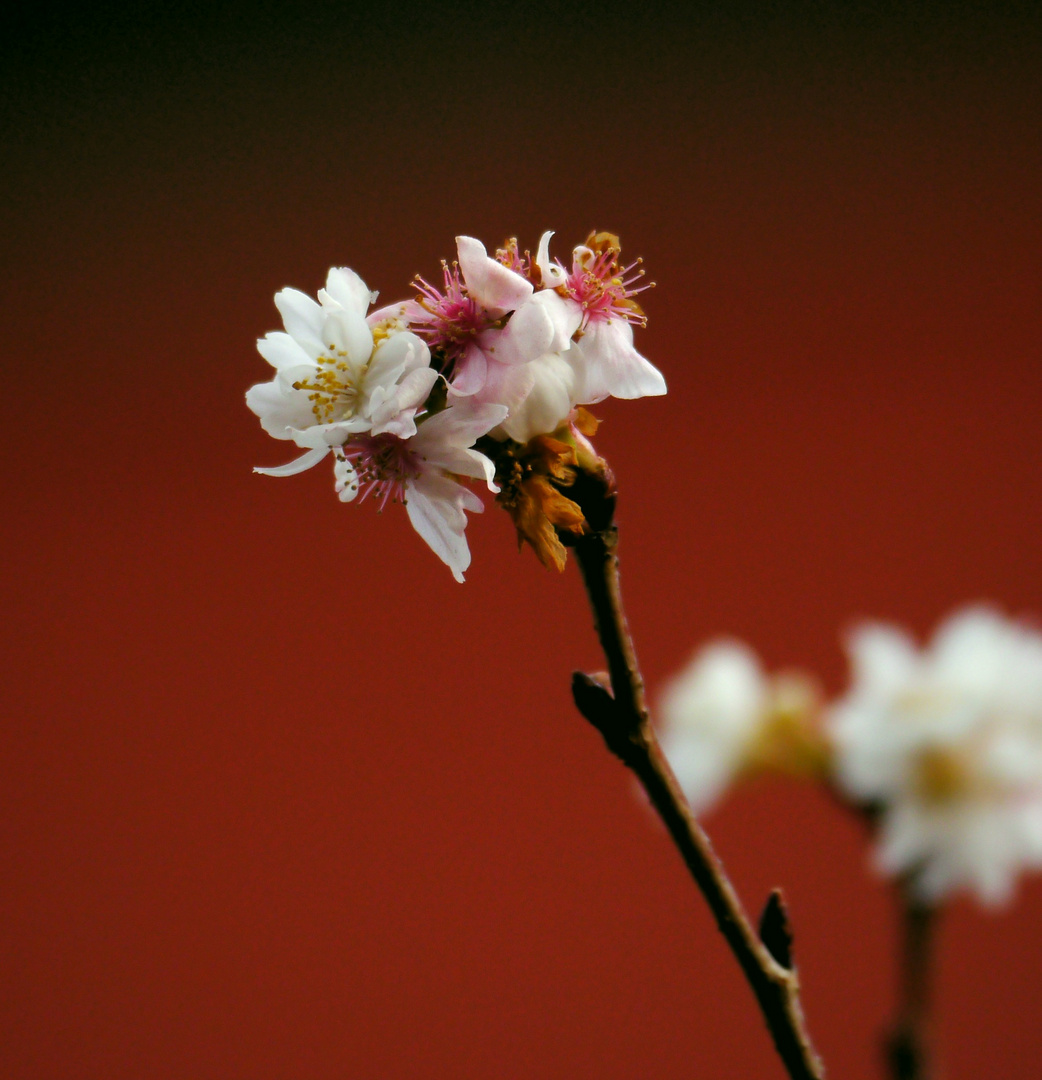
(502, 351)
(940, 747)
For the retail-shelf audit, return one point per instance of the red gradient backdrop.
(279, 798)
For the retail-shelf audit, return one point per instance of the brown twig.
(907, 1044)
(616, 707)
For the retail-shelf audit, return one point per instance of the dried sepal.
(535, 479)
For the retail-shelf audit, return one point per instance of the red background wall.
(279, 798)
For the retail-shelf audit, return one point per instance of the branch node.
(614, 704)
(594, 699)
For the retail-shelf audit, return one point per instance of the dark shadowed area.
(281, 799)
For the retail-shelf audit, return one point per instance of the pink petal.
(497, 289)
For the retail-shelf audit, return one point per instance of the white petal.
(404, 310)
(471, 372)
(566, 315)
(582, 256)
(467, 463)
(345, 480)
(506, 385)
(553, 274)
(497, 289)
(393, 409)
(415, 387)
(710, 711)
(529, 333)
(298, 465)
(972, 649)
(720, 693)
(326, 435)
(345, 288)
(283, 351)
(396, 354)
(884, 658)
(302, 318)
(470, 502)
(281, 411)
(459, 426)
(434, 507)
(548, 402)
(348, 333)
(609, 365)
(388, 419)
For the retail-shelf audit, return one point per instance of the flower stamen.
(603, 288)
(455, 318)
(383, 465)
(334, 388)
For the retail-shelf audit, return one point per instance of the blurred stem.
(616, 707)
(907, 1044)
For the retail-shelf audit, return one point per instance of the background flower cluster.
(939, 748)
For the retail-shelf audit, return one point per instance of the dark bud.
(774, 930)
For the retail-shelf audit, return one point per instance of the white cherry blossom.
(710, 713)
(335, 375)
(946, 743)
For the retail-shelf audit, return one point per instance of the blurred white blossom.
(722, 716)
(945, 743)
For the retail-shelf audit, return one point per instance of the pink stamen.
(510, 256)
(453, 318)
(605, 290)
(384, 464)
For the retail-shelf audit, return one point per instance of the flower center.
(941, 776)
(453, 318)
(603, 287)
(383, 465)
(335, 387)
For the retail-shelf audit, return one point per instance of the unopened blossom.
(421, 472)
(545, 396)
(596, 306)
(334, 376)
(722, 716)
(945, 742)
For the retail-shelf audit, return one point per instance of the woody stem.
(618, 710)
(907, 1044)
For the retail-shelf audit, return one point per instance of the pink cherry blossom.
(596, 298)
(419, 472)
(484, 321)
